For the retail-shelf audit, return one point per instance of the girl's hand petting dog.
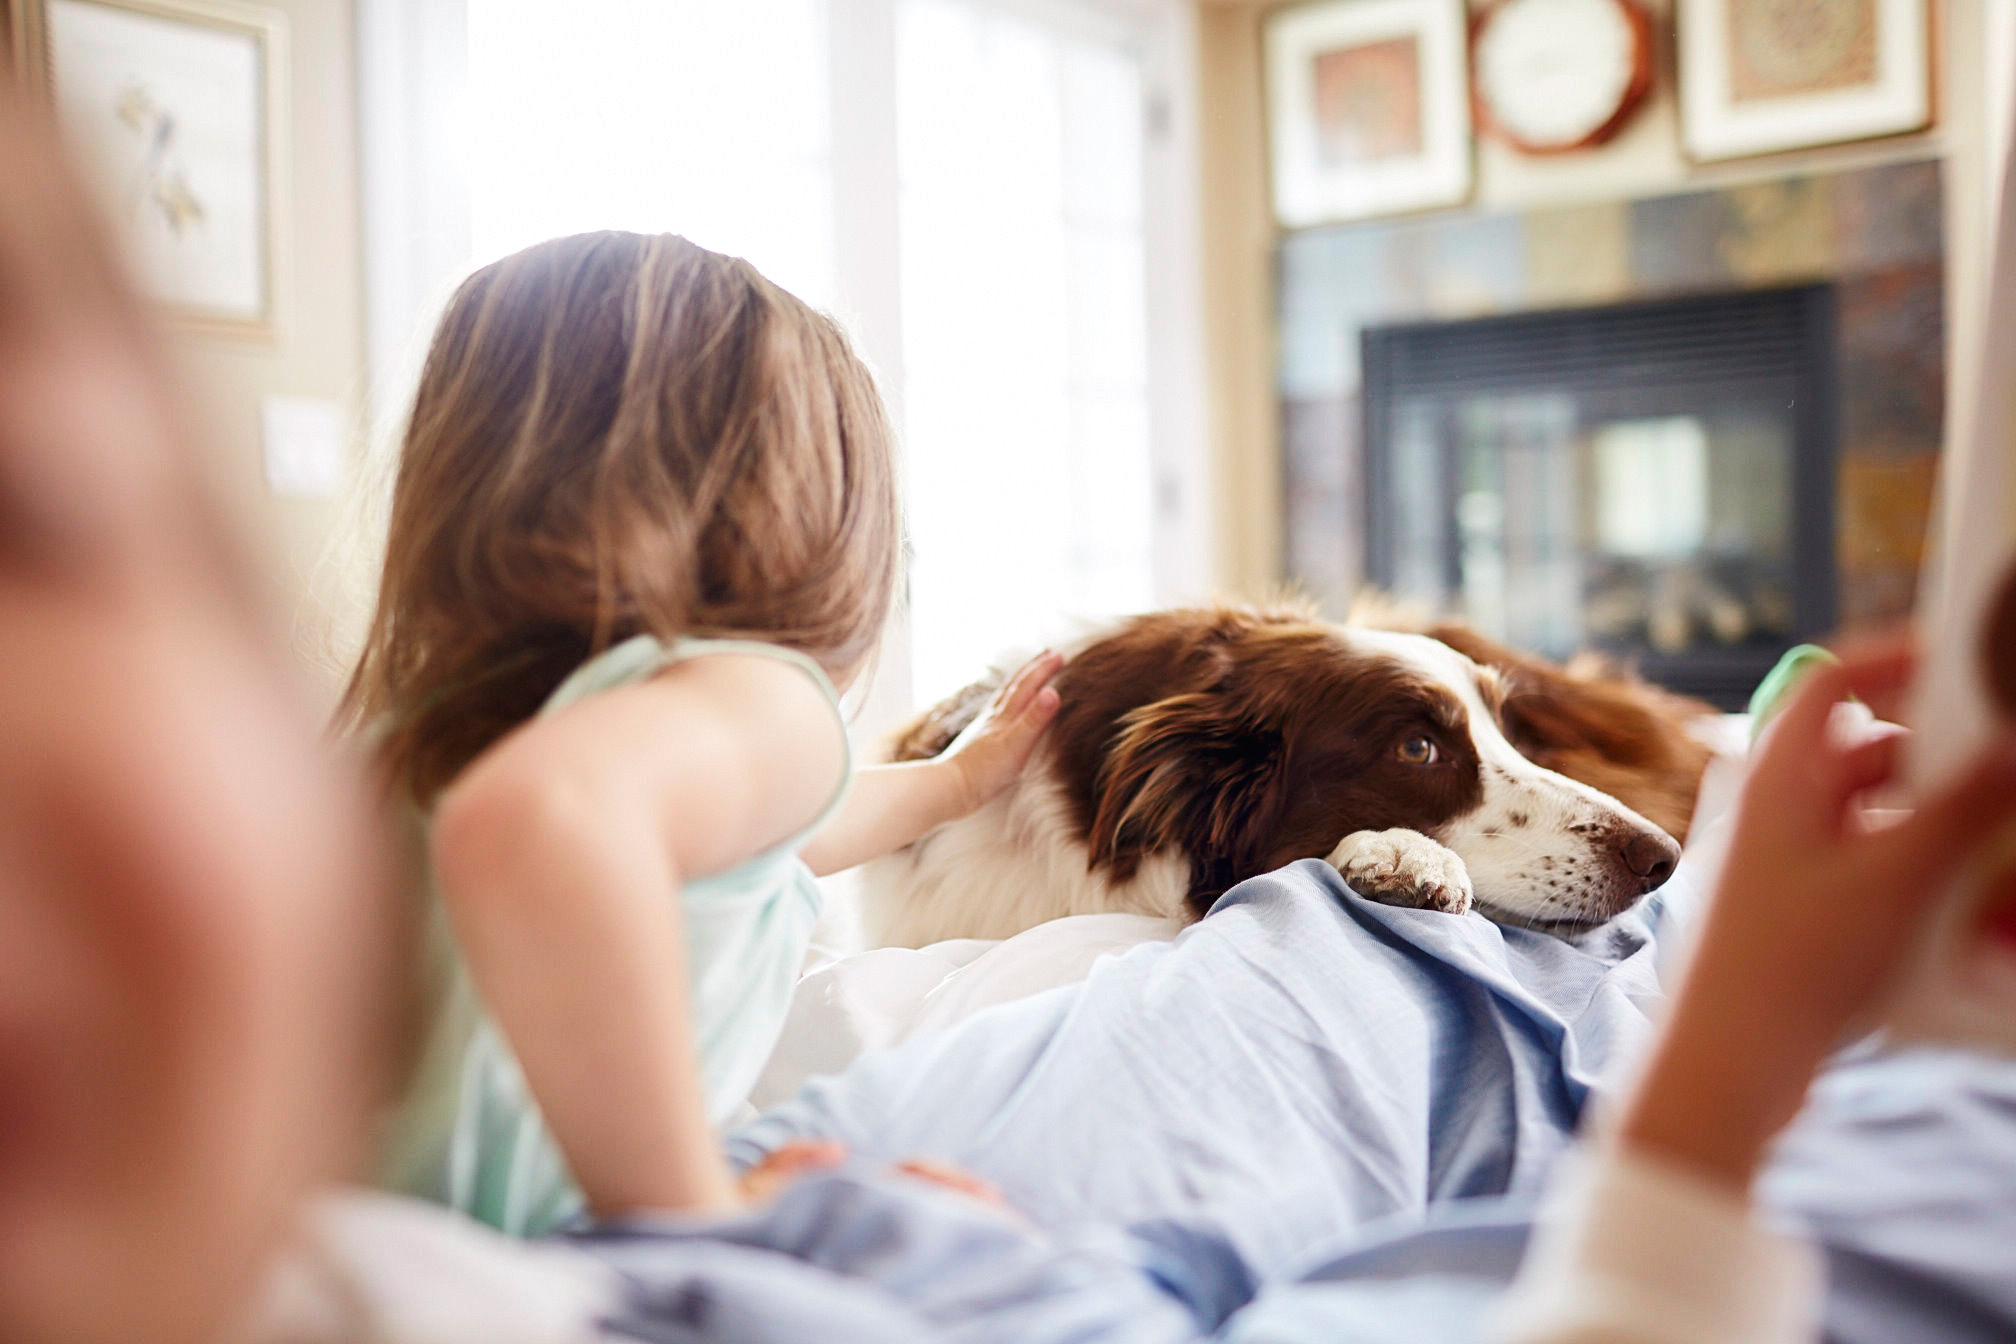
(890, 806)
(1815, 911)
(993, 750)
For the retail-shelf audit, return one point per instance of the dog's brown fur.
(1589, 720)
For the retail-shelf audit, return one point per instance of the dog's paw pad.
(1401, 867)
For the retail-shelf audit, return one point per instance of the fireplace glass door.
(1652, 481)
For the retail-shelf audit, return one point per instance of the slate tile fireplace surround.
(1565, 479)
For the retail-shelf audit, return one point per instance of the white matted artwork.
(1368, 108)
(1760, 76)
(174, 105)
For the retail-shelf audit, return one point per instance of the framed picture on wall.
(1759, 76)
(1368, 108)
(176, 108)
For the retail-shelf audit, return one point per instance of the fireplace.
(1655, 480)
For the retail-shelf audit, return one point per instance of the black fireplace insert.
(1653, 480)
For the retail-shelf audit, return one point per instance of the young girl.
(644, 526)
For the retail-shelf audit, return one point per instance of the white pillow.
(888, 995)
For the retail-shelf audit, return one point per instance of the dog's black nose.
(1650, 855)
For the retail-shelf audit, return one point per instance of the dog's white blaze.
(1008, 867)
(1538, 846)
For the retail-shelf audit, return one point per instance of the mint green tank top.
(468, 1134)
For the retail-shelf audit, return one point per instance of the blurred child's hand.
(786, 1164)
(782, 1165)
(1815, 911)
(1818, 905)
(956, 1179)
(987, 757)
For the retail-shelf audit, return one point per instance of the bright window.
(1024, 332)
(697, 117)
(1008, 311)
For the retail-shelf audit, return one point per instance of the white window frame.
(412, 79)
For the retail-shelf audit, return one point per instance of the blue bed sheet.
(1300, 1063)
(1310, 1118)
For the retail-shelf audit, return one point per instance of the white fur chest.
(1009, 866)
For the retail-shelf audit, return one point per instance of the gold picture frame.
(179, 110)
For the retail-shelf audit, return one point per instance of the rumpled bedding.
(1301, 1062)
(1309, 1118)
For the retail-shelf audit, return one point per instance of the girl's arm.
(891, 805)
(1652, 1237)
(561, 853)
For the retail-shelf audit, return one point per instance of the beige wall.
(317, 350)
(1644, 160)
(1237, 242)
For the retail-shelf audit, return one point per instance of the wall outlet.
(307, 446)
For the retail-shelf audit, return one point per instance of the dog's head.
(1247, 739)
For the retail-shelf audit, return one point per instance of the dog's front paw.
(1400, 867)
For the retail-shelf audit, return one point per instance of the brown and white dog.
(1196, 748)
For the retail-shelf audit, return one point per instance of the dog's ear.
(1590, 705)
(1181, 775)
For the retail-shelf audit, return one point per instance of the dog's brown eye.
(1418, 750)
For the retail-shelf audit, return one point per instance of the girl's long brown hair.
(618, 434)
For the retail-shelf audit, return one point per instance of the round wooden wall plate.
(1556, 76)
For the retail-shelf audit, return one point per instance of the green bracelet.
(1776, 689)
